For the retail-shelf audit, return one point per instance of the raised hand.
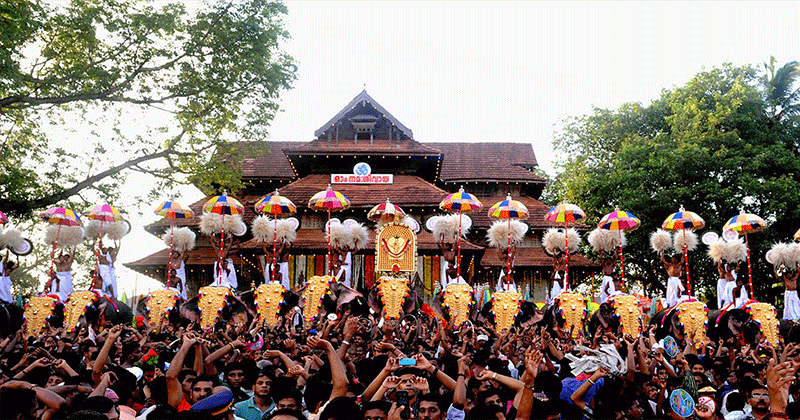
(114, 332)
(423, 363)
(391, 382)
(420, 384)
(484, 375)
(392, 364)
(296, 370)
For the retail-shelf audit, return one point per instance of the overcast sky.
(509, 71)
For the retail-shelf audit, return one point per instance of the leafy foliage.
(712, 145)
(93, 89)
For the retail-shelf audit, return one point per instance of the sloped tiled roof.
(487, 162)
(534, 257)
(382, 146)
(406, 189)
(271, 164)
(364, 97)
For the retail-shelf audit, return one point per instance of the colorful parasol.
(329, 201)
(460, 202)
(746, 223)
(222, 204)
(565, 213)
(797, 235)
(172, 210)
(508, 209)
(103, 213)
(62, 217)
(386, 212)
(3, 218)
(621, 221)
(275, 205)
(684, 220)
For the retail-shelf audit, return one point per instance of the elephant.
(109, 311)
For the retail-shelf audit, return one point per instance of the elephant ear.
(374, 301)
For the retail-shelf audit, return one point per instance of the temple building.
(414, 175)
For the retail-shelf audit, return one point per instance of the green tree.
(91, 90)
(711, 145)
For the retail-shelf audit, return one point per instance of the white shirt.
(607, 281)
(674, 289)
(503, 286)
(180, 273)
(229, 280)
(5, 286)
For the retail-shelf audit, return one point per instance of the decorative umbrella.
(460, 202)
(797, 235)
(684, 220)
(386, 212)
(329, 200)
(103, 213)
(3, 218)
(565, 213)
(62, 217)
(172, 210)
(620, 221)
(275, 205)
(746, 223)
(222, 205)
(508, 209)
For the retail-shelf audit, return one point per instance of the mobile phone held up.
(401, 398)
(408, 361)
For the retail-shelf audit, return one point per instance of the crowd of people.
(355, 364)
(358, 366)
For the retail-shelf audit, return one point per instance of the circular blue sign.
(362, 168)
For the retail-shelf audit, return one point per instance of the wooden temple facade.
(414, 175)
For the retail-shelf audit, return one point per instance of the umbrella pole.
(53, 255)
(330, 256)
(566, 267)
(508, 271)
(98, 245)
(621, 261)
(458, 258)
(274, 246)
(686, 259)
(749, 270)
(169, 264)
(221, 247)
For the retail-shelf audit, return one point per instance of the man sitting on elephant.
(791, 303)
(6, 267)
(675, 288)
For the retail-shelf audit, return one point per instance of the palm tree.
(779, 93)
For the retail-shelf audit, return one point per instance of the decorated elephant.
(689, 320)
